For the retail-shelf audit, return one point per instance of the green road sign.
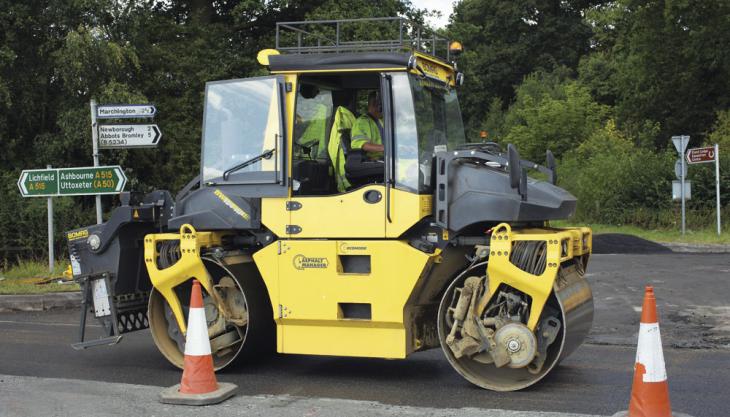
(38, 182)
(71, 181)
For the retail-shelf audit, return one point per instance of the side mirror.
(515, 170)
(552, 166)
(411, 62)
(459, 79)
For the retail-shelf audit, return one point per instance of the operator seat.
(341, 126)
(359, 169)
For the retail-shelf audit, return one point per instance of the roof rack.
(377, 34)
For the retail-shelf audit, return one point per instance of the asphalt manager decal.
(302, 262)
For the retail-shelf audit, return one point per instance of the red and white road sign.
(700, 155)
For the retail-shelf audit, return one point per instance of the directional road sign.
(700, 155)
(72, 181)
(38, 182)
(129, 136)
(125, 111)
(680, 143)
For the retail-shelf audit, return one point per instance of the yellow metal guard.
(562, 245)
(188, 266)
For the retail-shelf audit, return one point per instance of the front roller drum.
(516, 361)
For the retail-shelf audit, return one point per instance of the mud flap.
(117, 314)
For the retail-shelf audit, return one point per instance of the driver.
(367, 132)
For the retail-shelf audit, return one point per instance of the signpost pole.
(51, 257)
(95, 150)
(717, 185)
(681, 186)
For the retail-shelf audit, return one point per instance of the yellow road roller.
(341, 210)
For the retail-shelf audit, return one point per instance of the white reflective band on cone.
(649, 353)
(196, 341)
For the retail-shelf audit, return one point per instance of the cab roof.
(334, 62)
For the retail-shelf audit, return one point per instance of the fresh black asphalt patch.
(621, 243)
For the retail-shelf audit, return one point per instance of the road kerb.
(40, 302)
(696, 247)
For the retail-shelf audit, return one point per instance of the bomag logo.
(77, 234)
(302, 262)
(344, 247)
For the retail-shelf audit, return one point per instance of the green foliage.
(493, 122)
(32, 277)
(507, 40)
(720, 133)
(663, 62)
(616, 182)
(551, 112)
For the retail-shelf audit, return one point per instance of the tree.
(506, 40)
(662, 61)
(551, 111)
(617, 182)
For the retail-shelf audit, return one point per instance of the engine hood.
(481, 194)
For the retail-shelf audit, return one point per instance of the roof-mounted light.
(455, 48)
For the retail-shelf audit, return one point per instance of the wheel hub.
(520, 343)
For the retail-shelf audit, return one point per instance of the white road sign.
(677, 190)
(680, 143)
(125, 111)
(128, 136)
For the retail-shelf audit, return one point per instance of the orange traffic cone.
(199, 385)
(650, 391)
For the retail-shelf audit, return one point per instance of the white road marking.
(39, 323)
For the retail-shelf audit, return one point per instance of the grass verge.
(702, 236)
(33, 277)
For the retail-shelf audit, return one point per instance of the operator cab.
(244, 123)
(290, 135)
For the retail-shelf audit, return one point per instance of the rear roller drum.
(229, 336)
(496, 350)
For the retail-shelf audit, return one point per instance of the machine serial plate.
(101, 298)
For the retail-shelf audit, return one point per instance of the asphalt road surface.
(692, 293)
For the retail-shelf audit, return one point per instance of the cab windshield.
(427, 120)
(242, 121)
